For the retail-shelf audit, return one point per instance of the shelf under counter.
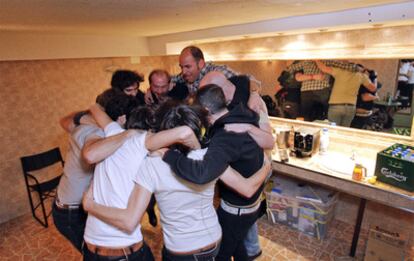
(306, 169)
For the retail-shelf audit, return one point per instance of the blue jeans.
(71, 224)
(341, 114)
(207, 255)
(251, 242)
(142, 254)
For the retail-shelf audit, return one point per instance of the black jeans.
(359, 122)
(71, 224)
(142, 254)
(207, 255)
(314, 104)
(234, 229)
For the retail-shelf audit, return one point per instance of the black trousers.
(234, 229)
(314, 104)
(71, 224)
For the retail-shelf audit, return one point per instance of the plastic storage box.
(306, 207)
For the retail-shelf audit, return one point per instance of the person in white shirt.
(190, 226)
(113, 182)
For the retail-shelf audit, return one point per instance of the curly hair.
(122, 79)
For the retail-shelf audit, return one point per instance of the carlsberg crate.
(395, 166)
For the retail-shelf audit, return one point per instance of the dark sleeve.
(179, 92)
(220, 153)
(242, 93)
(140, 97)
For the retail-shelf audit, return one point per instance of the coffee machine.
(306, 142)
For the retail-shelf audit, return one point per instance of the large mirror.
(388, 110)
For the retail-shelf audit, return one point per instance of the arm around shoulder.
(246, 186)
(323, 67)
(124, 219)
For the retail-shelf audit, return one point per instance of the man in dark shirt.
(236, 214)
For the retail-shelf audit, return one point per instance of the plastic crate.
(306, 207)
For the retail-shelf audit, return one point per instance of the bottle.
(291, 141)
(324, 141)
(389, 98)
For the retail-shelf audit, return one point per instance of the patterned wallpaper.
(36, 94)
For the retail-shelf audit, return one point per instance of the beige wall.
(386, 42)
(34, 46)
(358, 18)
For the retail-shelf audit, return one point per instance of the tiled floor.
(24, 239)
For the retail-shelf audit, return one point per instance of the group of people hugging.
(172, 145)
(340, 91)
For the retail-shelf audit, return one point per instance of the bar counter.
(346, 141)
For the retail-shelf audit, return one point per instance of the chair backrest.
(41, 160)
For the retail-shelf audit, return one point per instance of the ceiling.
(155, 17)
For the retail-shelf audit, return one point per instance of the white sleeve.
(144, 176)
(112, 129)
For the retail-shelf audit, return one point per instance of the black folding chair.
(35, 183)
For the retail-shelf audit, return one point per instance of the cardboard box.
(395, 166)
(385, 245)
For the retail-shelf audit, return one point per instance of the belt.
(363, 114)
(239, 210)
(197, 251)
(60, 205)
(106, 251)
(342, 104)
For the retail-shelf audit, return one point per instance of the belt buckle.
(239, 211)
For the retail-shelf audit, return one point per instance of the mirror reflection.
(370, 94)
